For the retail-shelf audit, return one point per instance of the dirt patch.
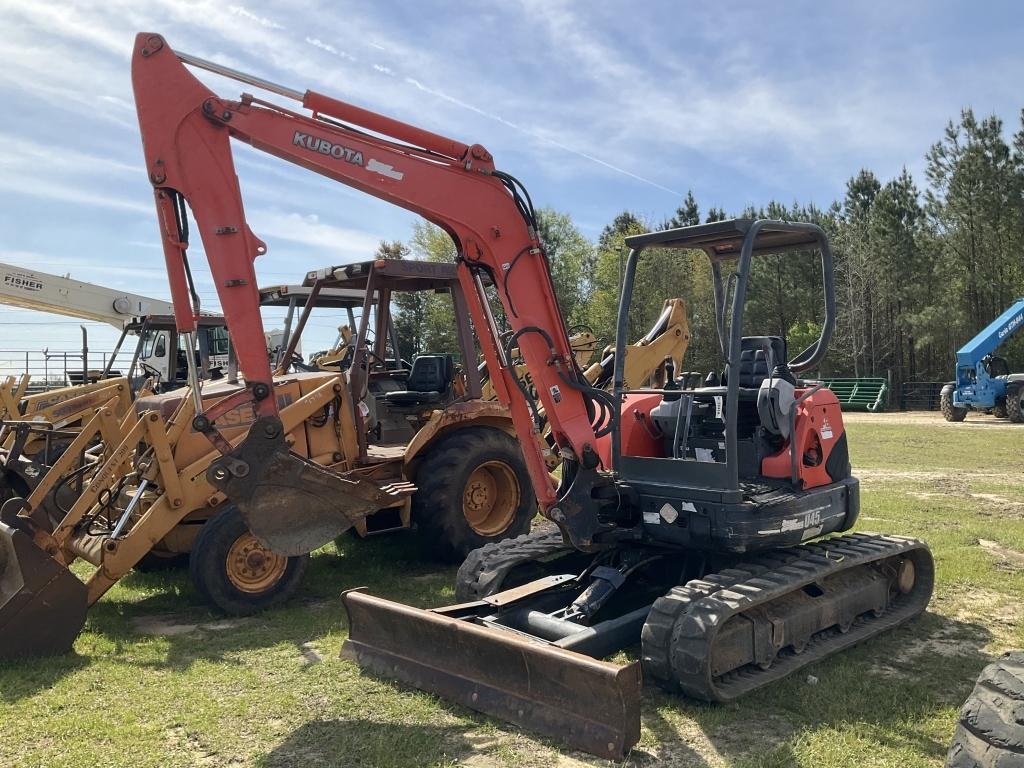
(950, 641)
(981, 621)
(999, 613)
(310, 654)
(485, 746)
(169, 625)
(947, 484)
(948, 480)
(767, 729)
(183, 742)
(1009, 559)
(931, 419)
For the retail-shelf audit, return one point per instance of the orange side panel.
(636, 429)
(819, 425)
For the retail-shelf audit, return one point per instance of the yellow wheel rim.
(491, 498)
(251, 567)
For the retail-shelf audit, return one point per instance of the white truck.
(161, 348)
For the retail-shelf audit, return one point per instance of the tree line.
(918, 269)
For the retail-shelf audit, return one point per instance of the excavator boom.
(187, 130)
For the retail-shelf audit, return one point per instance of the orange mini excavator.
(689, 518)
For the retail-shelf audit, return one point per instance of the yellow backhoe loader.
(431, 452)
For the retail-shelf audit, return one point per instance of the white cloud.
(27, 183)
(308, 230)
(261, 20)
(316, 43)
(18, 152)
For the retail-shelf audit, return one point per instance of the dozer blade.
(42, 604)
(289, 503)
(590, 704)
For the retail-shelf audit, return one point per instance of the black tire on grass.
(990, 728)
(444, 498)
(949, 411)
(223, 576)
(1015, 404)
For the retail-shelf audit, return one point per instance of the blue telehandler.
(983, 378)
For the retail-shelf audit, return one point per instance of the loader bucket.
(590, 704)
(289, 503)
(42, 604)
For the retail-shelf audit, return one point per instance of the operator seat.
(429, 381)
(758, 356)
(764, 369)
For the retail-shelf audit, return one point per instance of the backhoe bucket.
(289, 503)
(590, 704)
(42, 604)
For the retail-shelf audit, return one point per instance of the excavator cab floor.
(42, 603)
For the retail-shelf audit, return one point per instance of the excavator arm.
(187, 131)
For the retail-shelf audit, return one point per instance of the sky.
(596, 106)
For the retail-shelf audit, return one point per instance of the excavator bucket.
(291, 504)
(592, 705)
(42, 604)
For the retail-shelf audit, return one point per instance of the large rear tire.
(990, 729)
(473, 489)
(232, 571)
(949, 411)
(1015, 404)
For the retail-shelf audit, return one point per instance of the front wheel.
(1015, 404)
(949, 411)
(234, 572)
(473, 488)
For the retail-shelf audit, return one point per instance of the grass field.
(157, 680)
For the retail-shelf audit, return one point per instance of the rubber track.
(680, 632)
(484, 569)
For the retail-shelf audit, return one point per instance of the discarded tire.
(990, 729)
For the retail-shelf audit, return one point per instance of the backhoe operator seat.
(429, 381)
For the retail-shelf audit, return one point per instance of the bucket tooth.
(590, 704)
(42, 604)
